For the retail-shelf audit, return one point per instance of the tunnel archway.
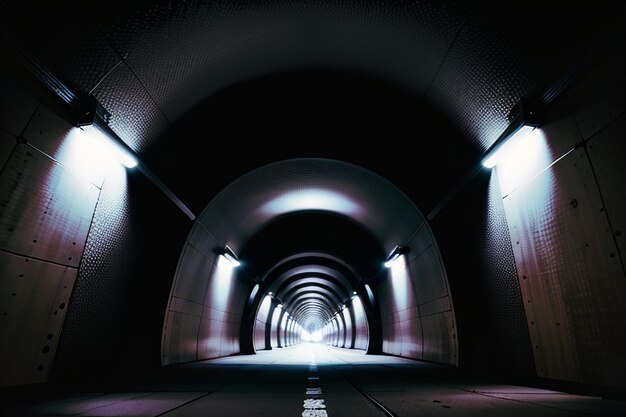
(312, 237)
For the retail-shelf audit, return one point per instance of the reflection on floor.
(313, 380)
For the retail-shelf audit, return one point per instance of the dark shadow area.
(313, 231)
(314, 113)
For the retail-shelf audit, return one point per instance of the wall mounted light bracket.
(228, 253)
(394, 255)
(522, 120)
(86, 111)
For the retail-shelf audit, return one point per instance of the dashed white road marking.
(314, 403)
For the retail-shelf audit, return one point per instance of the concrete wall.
(565, 207)
(260, 323)
(361, 340)
(416, 309)
(51, 183)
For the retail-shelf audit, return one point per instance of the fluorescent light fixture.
(353, 292)
(394, 255)
(95, 121)
(230, 255)
(522, 121)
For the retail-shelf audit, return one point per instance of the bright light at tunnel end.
(315, 337)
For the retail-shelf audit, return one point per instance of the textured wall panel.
(186, 51)
(86, 60)
(502, 289)
(230, 338)
(436, 306)
(362, 330)
(438, 330)
(209, 338)
(180, 305)
(192, 278)
(571, 280)
(49, 222)
(411, 336)
(77, 150)
(422, 239)
(7, 143)
(33, 299)
(423, 280)
(214, 294)
(480, 81)
(92, 325)
(598, 98)
(180, 340)
(430, 281)
(607, 151)
(204, 242)
(135, 117)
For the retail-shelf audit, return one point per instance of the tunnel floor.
(314, 380)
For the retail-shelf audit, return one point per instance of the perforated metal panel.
(186, 51)
(90, 329)
(480, 82)
(502, 288)
(135, 116)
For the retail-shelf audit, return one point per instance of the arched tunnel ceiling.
(153, 63)
(289, 187)
(313, 231)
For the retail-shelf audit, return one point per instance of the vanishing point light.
(230, 255)
(522, 121)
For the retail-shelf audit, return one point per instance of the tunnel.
(315, 208)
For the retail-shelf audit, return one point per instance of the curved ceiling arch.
(333, 200)
(292, 294)
(307, 294)
(320, 185)
(421, 46)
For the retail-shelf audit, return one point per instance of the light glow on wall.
(522, 160)
(108, 148)
(311, 199)
(401, 285)
(81, 153)
(220, 284)
(511, 143)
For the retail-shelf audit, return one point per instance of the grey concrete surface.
(312, 380)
